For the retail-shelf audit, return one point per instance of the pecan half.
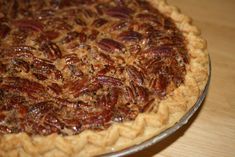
(22, 48)
(94, 34)
(135, 75)
(136, 93)
(4, 30)
(70, 36)
(129, 94)
(110, 45)
(88, 13)
(92, 87)
(50, 35)
(106, 58)
(159, 85)
(51, 50)
(135, 49)
(119, 12)
(75, 71)
(29, 24)
(71, 59)
(41, 108)
(99, 22)
(108, 80)
(151, 17)
(22, 65)
(127, 36)
(31, 88)
(161, 51)
(40, 76)
(43, 68)
(148, 106)
(75, 87)
(80, 22)
(105, 70)
(82, 37)
(55, 88)
(119, 25)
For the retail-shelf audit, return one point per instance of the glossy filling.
(68, 66)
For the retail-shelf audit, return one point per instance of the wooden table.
(211, 131)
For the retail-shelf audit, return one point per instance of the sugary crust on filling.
(163, 114)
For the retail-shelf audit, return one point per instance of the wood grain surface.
(211, 131)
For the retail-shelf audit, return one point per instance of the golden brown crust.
(122, 135)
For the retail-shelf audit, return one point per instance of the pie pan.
(156, 139)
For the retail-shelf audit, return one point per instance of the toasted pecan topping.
(68, 66)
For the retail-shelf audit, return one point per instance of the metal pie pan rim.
(155, 139)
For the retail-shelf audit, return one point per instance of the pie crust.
(146, 125)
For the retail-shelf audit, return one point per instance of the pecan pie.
(87, 77)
